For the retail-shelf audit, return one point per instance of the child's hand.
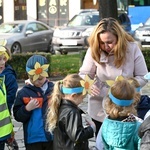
(89, 121)
(33, 104)
(92, 124)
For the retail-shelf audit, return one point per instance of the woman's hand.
(95, 91)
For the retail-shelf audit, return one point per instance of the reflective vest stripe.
(5, 121)
(3, 107)
(6, 126)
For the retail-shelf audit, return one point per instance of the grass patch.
(64, 64)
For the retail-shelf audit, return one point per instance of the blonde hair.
(136, 84)
(70, 81)
(8, 52)
(113, 26)
(121, 90)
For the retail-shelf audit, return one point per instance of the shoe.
(12, 145)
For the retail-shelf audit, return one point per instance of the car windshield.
(147, 23)
(84, 20)
(11, 28)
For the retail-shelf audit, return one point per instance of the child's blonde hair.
(121, 90)
(136, 84)
(70, 81)
(5, 49)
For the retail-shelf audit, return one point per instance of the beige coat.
(134, 66)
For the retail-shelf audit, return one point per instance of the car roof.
(87, 10)
(21, 21)
(88, 13)
(95, 11)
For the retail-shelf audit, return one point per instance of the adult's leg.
(2, 145)
(98, 125)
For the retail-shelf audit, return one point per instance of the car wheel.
(86, 41)
(51, 48)
(16, 48)
(57, 52)
(64, 52)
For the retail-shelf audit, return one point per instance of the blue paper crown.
(65, 90)
(120, 102)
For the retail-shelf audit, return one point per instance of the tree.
(108, 8)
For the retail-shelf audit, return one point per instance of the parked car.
(142, 34)
(26, 36)
(73, 37)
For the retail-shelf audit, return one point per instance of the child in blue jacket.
(31, 105)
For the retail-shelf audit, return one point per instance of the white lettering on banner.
(52, 2)
(63, 2)
(52, 8)
(42, 2)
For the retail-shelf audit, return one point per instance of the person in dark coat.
(64, 117)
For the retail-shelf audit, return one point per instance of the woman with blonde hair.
(64, 115)
(112, 52)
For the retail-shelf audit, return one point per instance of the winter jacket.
(11, 85)
(143, 106)
(34, 122)
(120, 135)
(144, 133)
(70, 133)
(134, 66)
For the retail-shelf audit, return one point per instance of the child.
(144, 130)
(31, 105)
(119, 129)
(64, 116)
(11, 89)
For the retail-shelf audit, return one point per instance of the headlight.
(87, 32)
(56, 33)
(3, 42)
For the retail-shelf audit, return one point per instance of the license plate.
(147, 39)
(69, 42)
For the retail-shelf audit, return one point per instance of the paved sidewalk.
(19, 130)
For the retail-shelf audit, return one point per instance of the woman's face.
(107, 41)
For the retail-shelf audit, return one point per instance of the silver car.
(142, 34)
(26, 36)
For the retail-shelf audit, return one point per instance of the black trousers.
(2, 145)
(98, 125)
(40, 146)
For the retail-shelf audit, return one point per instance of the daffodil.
(86, 84)
(118, 78)
(39, 71)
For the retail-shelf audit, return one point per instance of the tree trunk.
(108, 8)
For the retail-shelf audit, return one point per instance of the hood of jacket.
(9, 71)
(118, 133)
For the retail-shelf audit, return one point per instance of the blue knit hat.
(37, 65)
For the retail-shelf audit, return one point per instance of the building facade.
(52, 12)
